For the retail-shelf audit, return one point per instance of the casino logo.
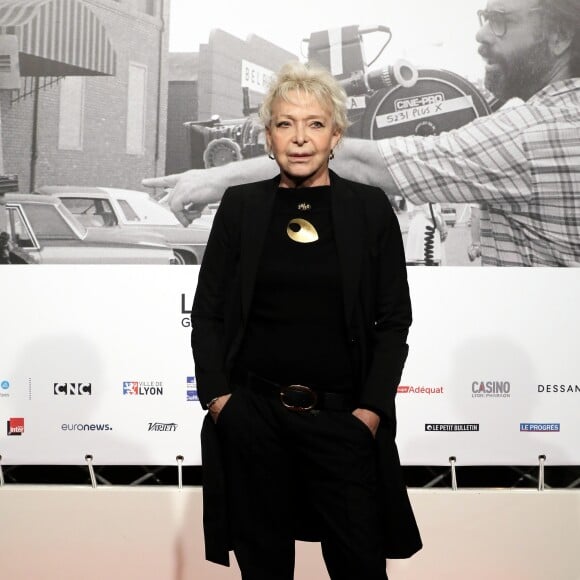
(72, 389)
(452, 427)
(540, 427)
(490, 389)
(15, 426)
(143, 388)
(191, 389)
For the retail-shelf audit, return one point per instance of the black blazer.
(377, 312)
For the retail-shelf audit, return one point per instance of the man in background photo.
(521, 164)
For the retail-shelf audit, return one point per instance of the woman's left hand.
(369, 418)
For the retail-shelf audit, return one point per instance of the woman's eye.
(317, 124)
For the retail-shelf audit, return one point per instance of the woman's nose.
(299, 135)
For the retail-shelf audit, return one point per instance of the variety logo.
(540, 427)
(405, 389)
(86, 427)
(15, 426)
(162, 426)
(453, 427)
(147, 388)
(490, 389)
(4, 386)
(72, 388)
(558, 388)
(192, 389)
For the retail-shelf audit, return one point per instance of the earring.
(271, 156)
(331, 156)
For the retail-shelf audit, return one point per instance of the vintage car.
(128, 210)
(43, 231)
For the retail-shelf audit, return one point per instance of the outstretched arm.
(361, 160)
(194, 189)
(356, 159)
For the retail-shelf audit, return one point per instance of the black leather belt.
(300, 397)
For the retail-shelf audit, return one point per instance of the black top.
(296, 331)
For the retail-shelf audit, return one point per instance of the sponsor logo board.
(452, 427)
(15, 426)
(540, 427)
(143, 388)
(72, 389)
(192, 389)
(490, 389)
(419, 390)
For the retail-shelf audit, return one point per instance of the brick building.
(90, 103)
(209, 83)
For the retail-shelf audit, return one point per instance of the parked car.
(112, 208)
(43, 231)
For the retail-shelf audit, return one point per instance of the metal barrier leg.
(89, 460)
(452, 461)
(179, 459)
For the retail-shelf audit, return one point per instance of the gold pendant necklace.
(301, 231)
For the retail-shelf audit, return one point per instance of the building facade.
(90, 105)
(210, 84)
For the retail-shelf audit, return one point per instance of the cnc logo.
(73, 389)
(540, 427)
(452, 427)
(420, 390)
(162, 426)
(192, 389)
(143, 388)
(15, 426)
(490, 389)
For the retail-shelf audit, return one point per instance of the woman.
(299, 329)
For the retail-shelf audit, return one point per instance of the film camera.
(399, 100)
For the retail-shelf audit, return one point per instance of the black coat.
(377, 311)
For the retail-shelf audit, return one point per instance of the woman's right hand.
(217, 406)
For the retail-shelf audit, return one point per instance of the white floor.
(147, 533)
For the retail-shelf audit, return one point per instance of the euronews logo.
(86, 427)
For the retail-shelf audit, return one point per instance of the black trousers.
(281, 464)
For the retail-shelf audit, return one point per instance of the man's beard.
(524, 74)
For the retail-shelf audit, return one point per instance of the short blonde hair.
(312, 80)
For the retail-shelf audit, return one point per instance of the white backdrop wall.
(96, 360)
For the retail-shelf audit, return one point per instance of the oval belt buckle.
(298, 389)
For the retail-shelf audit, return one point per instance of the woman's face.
(301, 135)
